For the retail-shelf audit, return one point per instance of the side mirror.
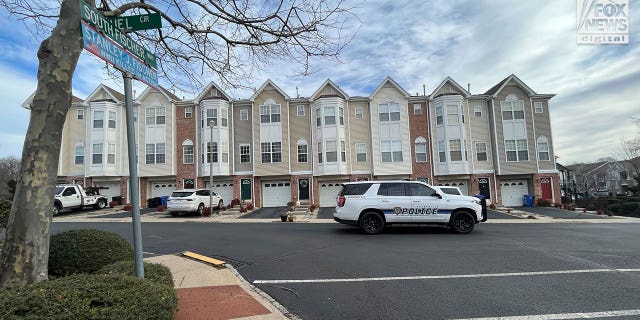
(437, 195)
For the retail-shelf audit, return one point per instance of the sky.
(476, 42)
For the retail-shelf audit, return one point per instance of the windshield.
(181, 194)
(59, 190)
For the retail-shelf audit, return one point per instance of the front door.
(483, 184)
(245, 189)
(303, 189)
(545, 184)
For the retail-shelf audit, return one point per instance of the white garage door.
(328, 193)
(276, 193)
(159, 189)
(513, 192)
(223, 189)
(461, 184)
(112, 189)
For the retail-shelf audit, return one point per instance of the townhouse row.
(272, 148)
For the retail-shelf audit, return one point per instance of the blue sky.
(475, 42)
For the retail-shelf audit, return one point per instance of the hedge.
(152, 271)
(85, 296)
(5, 209)
(86, 251)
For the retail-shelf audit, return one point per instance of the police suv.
(372, 205)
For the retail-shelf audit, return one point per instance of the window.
(477, 111)
(155, 153)
(389, 112)
(98, 119)
(156, 115)
(417, 108)
(421, 151)
(245, 153)
(187, 152)
(420, 190)
(211, 118)
(80, 114)
(329, 116)
(358, 113)
(343, 151)
(135, 116)
(188, 183)
(96, 153)
(439, 118)
(452, 115)
(481, 151)
(302, 153)
(244, 114)
(319, 152)
(455, 150)
(341, 116)
(392, 190)
(111, 153)
(517, 150)
(543, 149)
(332, 151)
(512, 110)
(270, 113)
(442, 152)
(225, 152)
(300, 111)
(391, 151)
(361, 152)
(318, 118)
(271, 152)
(223, 116)
(188, 112)
(79, 155)
(112, 120)
(537, 107)
(211, 153)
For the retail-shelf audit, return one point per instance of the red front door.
(545, 183)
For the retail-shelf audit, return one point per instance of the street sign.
(104, 25)
(111, 52)
(137, 22)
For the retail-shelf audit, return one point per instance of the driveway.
(265, 213)
(561, 214)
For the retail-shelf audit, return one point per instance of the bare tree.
(228, 40)
(9, 173)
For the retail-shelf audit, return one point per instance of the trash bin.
(528, 200)
(164, 200)
(117, 200)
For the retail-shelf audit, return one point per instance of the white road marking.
(580, 315)
(452, 276)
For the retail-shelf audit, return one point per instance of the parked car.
(192, 200)
(73, 196)
(456, 192)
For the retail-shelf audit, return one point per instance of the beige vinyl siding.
(359, 131)
(516, 167)
(167, 168)
(387, 94)
(300, 129)
(242, 135)
(479, 131)
(270, 169)
(543, 128)
(74, 132)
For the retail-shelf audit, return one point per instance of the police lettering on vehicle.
(414, 211)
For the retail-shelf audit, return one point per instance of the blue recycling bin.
(528, 200)
(164, 201)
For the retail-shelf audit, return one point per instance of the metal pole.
(133, 175)
(211, 169)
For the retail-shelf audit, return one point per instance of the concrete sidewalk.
(207, 292)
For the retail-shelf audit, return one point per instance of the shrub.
(152, 271)
(614, 207)
(633, 199)
(5, 209)
(112, 204)
(206, 212)
(312, 207)
(612, 201)
(160, 208)
(86, 251)
(629, 207)
(85, 296)
(543, 202)
(557, 205)
(492, 206)
(600, 212)
(127, 207)
(235, 202)
(250, 206)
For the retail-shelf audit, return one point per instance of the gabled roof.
(324, 84)
(115, 95)
(166, 93)
(208, 88)
(394, 83)
(454, 83)
(27, 103)
(498, 87)
(269, 82)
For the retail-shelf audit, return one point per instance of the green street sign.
(137, 22)
(108, 29)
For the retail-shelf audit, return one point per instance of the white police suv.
(372, 205)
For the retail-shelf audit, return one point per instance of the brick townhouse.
(271, 148)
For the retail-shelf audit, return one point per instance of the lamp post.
(211, 124)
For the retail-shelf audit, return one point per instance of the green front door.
(245, 189)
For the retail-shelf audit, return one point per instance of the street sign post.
(137, 22)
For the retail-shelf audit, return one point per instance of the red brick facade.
(185, 131)
(419, 127)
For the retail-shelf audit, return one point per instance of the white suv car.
(372, 205)
(192, 200)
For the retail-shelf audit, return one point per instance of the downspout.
(496, 152)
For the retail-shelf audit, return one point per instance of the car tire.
(220, 204)
(200, 210)
(371, 222)
(461, 222)
(56, 209)
(100, 204)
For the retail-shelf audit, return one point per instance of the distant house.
(602, 178)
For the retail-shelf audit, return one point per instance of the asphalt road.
(420, 273)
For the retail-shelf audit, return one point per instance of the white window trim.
(516, 150)
(358, 113)
(80, 114)
(244, 114)
(364, 146)
(247, 154)
(538, 107)
(486, 150)
(299, 108)
(188, 112)
(417, 108)
(477, 111)
(188, 143)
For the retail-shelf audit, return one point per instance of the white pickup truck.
(73, 196)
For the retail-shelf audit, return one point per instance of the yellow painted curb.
(215, 262)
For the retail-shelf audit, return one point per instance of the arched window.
(421, 149)
(187, 152)
(543, 149)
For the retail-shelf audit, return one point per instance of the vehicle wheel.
(200, 209)
(175, 214)
(220, 204)
(56, 209)
(461, 222)
(101, 204)
(371, 223)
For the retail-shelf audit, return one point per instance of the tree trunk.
(25, 254)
